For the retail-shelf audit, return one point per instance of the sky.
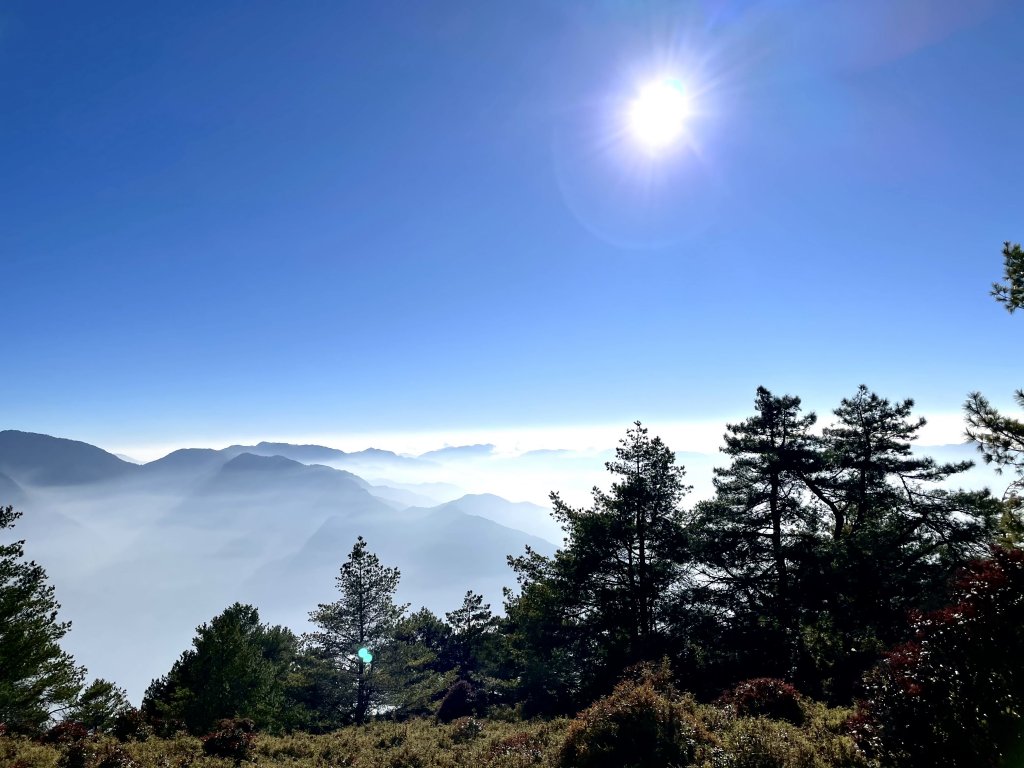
(422, 223)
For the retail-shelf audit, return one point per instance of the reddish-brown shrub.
(234, 738)
(66, 732)
(953, 696)
(528, 749)
(765, 697)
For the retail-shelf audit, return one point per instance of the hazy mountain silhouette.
(34, 459)
(441, 553)
(522, 516)
(10, 491)
(456, 452)
(319, 454)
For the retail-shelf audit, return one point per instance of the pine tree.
(355, 640)
(750, 538)
(99, 705)
(603, 601)
(37, 679)
(424, 662)
(237, 667)
(1011, 293)
(472, 626)
(896, 538)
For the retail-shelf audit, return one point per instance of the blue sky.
(230, 220)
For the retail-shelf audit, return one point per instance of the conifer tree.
(603, 601)
(999, 438)
(897, 537)
(237, 667)
(38, 680)
(472, 625)
(99, 705)
(355, 638)
(749, 538)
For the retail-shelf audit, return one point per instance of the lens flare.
(365, 655)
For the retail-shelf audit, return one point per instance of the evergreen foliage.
(237, 667)
(604, 600)
(749, 540)
(999, 438)
(38, 680)
(365, 616)
(99, 705)
(883, 506)
(1011, 293)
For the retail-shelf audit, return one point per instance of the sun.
(658, 115)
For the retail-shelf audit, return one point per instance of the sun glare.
(658, 114)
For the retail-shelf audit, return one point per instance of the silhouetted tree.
(364, 617)
(749, 539)
(1011, 293)
(237, 667)
(999, 438)
(896, 536)
(603, 601)
(472, 628)
(38, 680)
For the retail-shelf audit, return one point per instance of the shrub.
(77, 754)
(130, 725)
(234, 738)
(761, 743)
(67, 732)
(765, 697)
(466, 729)
(517, 749)
(460, 701)
(117, 758)
(953, 696)
(641, 725)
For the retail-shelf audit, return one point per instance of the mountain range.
(140, 554)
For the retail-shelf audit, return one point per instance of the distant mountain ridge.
(180, 537)
(37, 459)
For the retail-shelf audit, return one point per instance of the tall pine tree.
(603, 601)
(364, 618)
(896, 536)
(38, 680)
(751, 538)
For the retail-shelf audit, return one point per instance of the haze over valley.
(141, 554)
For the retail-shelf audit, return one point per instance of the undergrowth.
(716, 738)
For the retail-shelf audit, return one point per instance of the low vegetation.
(637, 726)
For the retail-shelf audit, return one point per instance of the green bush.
(762, 743)
(116, 757)
(466, 729)
(131, 725)
(519, 749)
(643, 724)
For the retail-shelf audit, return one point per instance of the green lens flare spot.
(365, 655)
